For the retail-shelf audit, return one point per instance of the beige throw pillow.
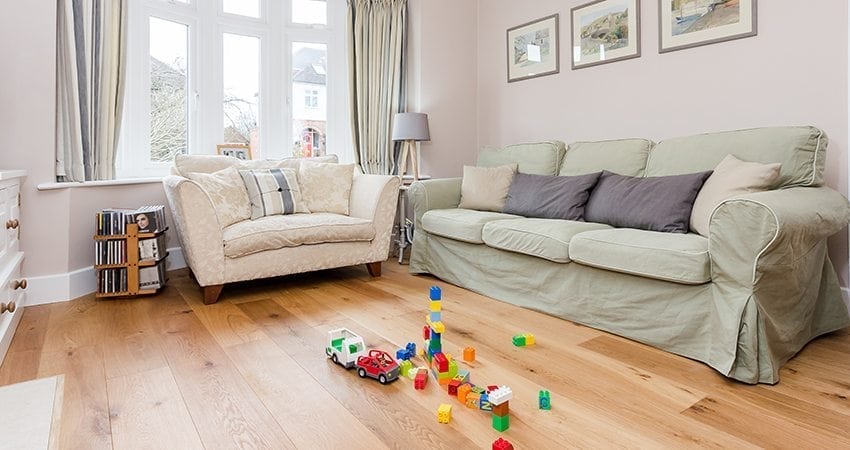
(326, 187)
(227, 193)
(486, 188)
(730, 178)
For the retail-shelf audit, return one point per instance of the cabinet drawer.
(9, 320)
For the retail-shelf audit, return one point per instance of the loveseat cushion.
(460, 224)
(622, 156)
(680, 258)
(544, 238)
(274, 232)
(800, 150)
(536, 158)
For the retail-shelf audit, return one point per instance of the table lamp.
(410, 128)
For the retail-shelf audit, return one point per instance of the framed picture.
(533, 49)
(691, 23)
(605, 31)
(241, 151)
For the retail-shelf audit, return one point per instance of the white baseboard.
(68, 286)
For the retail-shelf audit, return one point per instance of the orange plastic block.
(469, 354)
(462, 391)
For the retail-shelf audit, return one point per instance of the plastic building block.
(484, 403)
(519, 340)
(502, 444)
(444, 413)
(453, 385)
(435, 317)
(421, 379)
(402, 354)
(442, 362)
(502, 409)
(414, 371)
(501, 423)
(438, 327)
(544, 400)
(462, 391)
(472, 400)
(469, 354)
(405, 367)
(435, 306)
(435, 293)
(462, 375)
(411, 347)
(479, 389)
(426, 332)
(452, 368)
(529, 339)
(500, 395)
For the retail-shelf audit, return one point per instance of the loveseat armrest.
(441, 193)
(198, 229)
(370, 192)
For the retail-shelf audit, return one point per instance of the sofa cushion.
(537, 158)
(273, 191)
(326, 187)
(680, 258)
(549, 197)
(654, 203)
(622, 156)
(185, 164)
(226, 192)
(730, 178)
(543, 238)
(460, 224)
(274, 232)
(800, 150)
(485, 188)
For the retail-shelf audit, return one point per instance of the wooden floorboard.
(168, 371)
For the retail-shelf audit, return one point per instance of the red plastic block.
(502, 444)
(442, 362)
(421, 379)
(453, 385)
(426, 332)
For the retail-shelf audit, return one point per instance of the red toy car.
(379, 365)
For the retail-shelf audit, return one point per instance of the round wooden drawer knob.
(19, 284)
(7, 307)
(12, 224)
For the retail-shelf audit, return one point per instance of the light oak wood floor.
(168, 372)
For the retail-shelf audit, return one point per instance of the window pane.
(309, 98)
(241, 70)
(249, 8)
(310, 12)
(169, 84)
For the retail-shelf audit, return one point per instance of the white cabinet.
(12, 286)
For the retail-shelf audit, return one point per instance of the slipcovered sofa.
(218, 253)
(743, 299)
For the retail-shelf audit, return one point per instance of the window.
(204, 72)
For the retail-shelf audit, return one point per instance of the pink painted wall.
(793, 73)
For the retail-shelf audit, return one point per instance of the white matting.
(27, 413)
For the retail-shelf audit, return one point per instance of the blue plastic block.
(411, 347)
(436, 293)
(435, 316)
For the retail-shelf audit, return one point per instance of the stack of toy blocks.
(499, 400)
(524, 339)
(442, 366)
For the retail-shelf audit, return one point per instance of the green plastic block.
(501, 423)
(519, 340)
(452, 368)
(405, 367)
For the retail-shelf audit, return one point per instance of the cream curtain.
(377, 32)
(90, 76)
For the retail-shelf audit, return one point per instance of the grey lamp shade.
(411, 126)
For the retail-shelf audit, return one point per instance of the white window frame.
(206, 23)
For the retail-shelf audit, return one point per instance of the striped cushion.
(273, 191)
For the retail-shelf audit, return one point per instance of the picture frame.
(533, 49)
(604, 31)
(692, 23)
(240, 151)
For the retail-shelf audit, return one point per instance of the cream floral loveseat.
(221, 245)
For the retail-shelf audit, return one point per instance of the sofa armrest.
(442, 193)
(198, 229)
(369, 192)
(752, 232)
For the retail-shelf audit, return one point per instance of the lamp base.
(408, 145)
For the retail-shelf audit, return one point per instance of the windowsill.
(92, 184)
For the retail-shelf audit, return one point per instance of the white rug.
(27, 412)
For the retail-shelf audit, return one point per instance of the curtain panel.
(377, 39)
(90, 76)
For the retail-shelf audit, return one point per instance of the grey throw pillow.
(550, 197)
(651, 203)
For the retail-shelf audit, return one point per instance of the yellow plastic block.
(436, 306)
(438, 327)
(444, 413)
(529, 338)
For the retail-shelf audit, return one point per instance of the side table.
(405, 224)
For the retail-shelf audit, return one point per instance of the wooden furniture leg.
(402, 163)
(374, 268)
(211, 293)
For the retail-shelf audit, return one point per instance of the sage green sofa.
(743, 300)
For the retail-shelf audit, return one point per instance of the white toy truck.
(344, 347)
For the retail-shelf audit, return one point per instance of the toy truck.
(344, 347)
(379, 365)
